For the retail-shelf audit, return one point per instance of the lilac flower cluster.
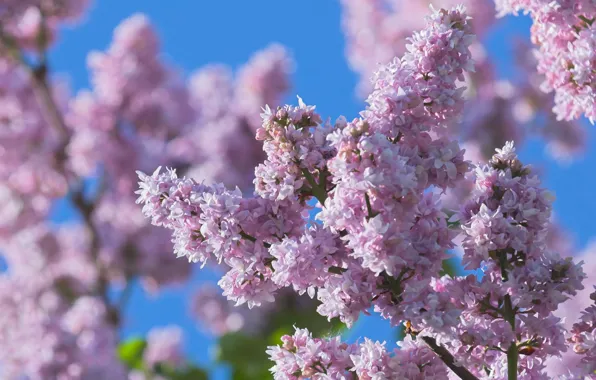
(26, 20)
(84, 147)
(303, 357)
(262, 240)
(496, 111)
(383, 233)
(505, 228)
(53, 327)
(565, 35)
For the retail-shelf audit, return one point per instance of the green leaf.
(169, 372)
(451, 267)
(131, 351)
(246, 355)
(400, 332)
(190, 373)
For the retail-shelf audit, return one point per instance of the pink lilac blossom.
(496, 111)
(383, 234)
(306, 159)
(211, 222)
(564, 33)
(62, 323)
(505, 227)
(303, 357)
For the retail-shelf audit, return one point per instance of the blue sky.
(194, 33)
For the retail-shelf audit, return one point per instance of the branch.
(448, 359)
(53, 115)
(86, 210)
(42, 90)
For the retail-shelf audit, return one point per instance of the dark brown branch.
(448, 359)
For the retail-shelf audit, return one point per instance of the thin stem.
(43, 93)
(247, 237)
(86, 210)
(448, 359)
(513, 351)
(370, 211)
(253, 239)
(316, 189)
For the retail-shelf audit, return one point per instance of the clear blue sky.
(195, 33)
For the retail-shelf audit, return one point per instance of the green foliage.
(246, 354)
(187, 373)
(131, 352)
(451, 267)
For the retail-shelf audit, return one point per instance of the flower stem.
(512, 352)
(318, 190)
(448, 359)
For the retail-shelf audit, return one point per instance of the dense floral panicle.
(419, 92)
(509, 210)
(206, 212)
(304, 263)
(213, 222)
(294, 142)
(583, 338)
(377, 30)
(565, 34)
(301, 356)
(375, 181)
(394, 229)
(505, 229)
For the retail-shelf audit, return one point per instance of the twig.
(53, 115)
(448, 359)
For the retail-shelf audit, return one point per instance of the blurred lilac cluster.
(497, 110)
(565, 37)
(57, 316)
